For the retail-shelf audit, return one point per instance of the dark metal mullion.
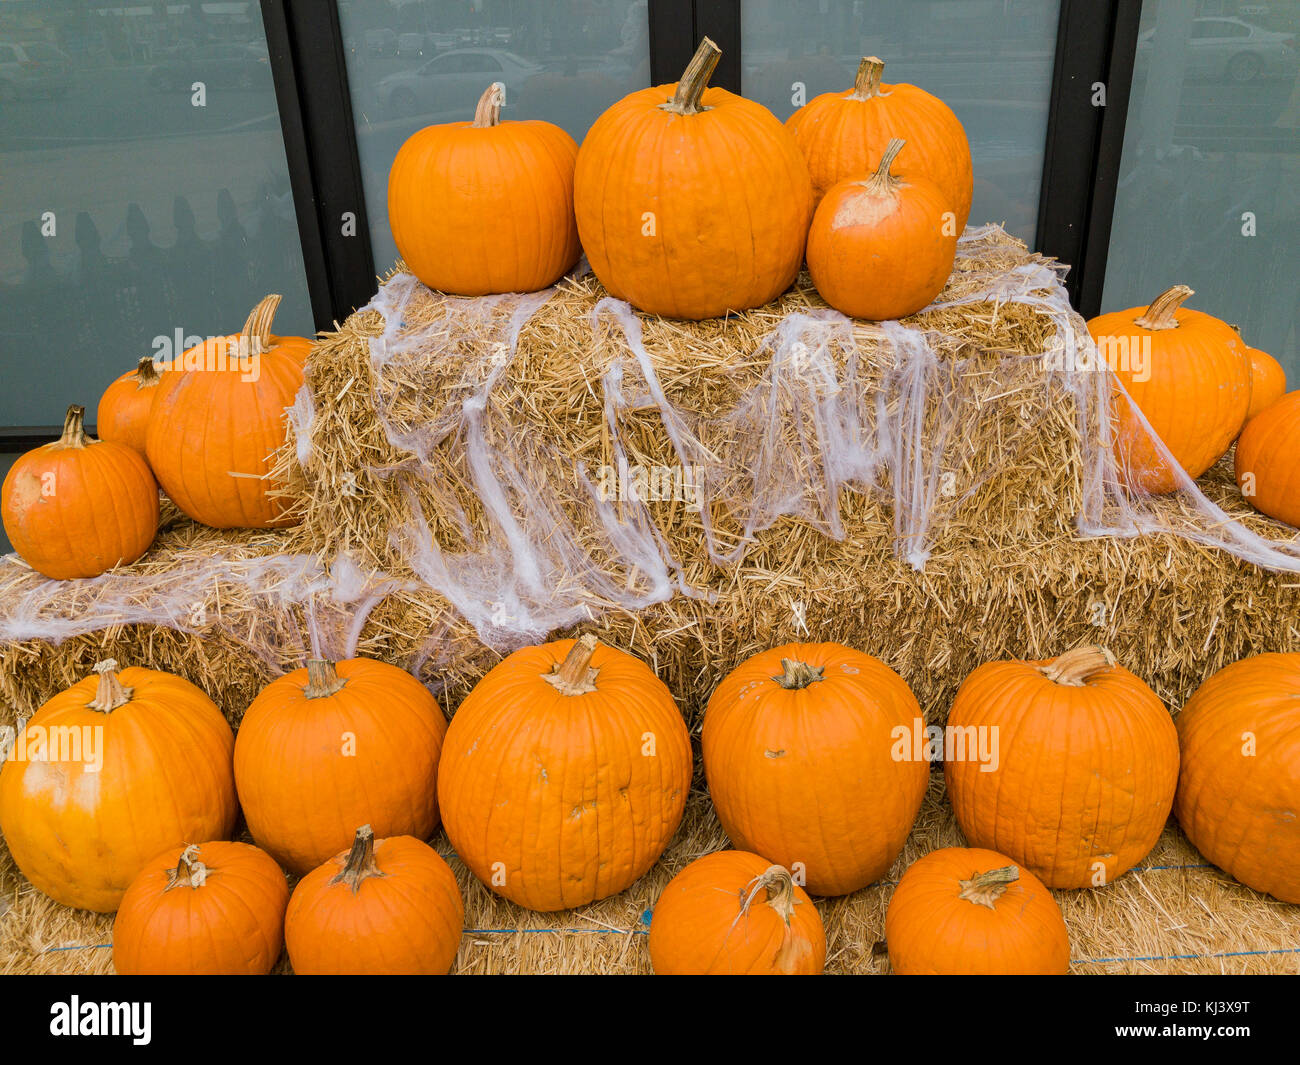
(719, 20)
(672, 39)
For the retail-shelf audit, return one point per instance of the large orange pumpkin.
(564, 774)
(799, 749)
(387, 907)
(79, 506)
(878, 247)
(843, 134)
(1188, 373)
(123, 413)
(485, 206)
(1268, 460)
(218, 419)
(1267, 379)
(734, 913)
(691, 201)
(1083, 772)
(215, 909)
(1239, 786)
(963, 911)
(326, 747)
(110, 773)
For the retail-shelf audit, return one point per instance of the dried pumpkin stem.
(867, 83)
(985, 889)
(1075, 668)
(111, 692)
(361, 861)
(146, 372)
(882, 179)
(488, 111)
(74, 430)
(779, 885)
(256, 334)
(575, 675)
(1160, 315)
(322, 679)
(189, 871)
(798, 675)
(686, 100)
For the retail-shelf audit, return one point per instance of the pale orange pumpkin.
(123, 413)
(1268, 460)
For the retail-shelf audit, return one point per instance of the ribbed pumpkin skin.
(309, 771)
(1267, 381)
(1086, 774)
(553, 792)
(729, 195)
(405, 922)
(81, 837)
(805, 777)
(230, 925)
(1269, 449)
(1195, 398)
(123, 412)
(1241, 811)
(699, 927)
(932, 931)
(484, 210)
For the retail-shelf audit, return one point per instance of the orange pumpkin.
(1267, 379)
(218, 419)
(123, 414)
(878, 247)
(1239, 786)
(842, 134)
(210, 910)
(110, 773)
(564, 774)
(485, 206)
(1188, 373)
(963, 911)
(1268, 460)
(1083, 771)
(387, 907)
(79, 506)
(799, 749)
(734, 913)
(692, 202)
(323, 748)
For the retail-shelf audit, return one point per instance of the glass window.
(133, 206)
(990, 60)
(1209, 191)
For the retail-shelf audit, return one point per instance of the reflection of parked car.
(35, 69)
(214, 64)
(381, 42)
(410, 44)
(452, 81)
(1230, 49)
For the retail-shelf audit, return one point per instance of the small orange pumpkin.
(879, 247)
(799, 752)
(734, 913)
(79, 506)
(123, 413)
(1267, 379)
(485, 206)
(1239, 786)
(210, 910)
(964, 911)
(387, 907)
(1268, 460)
(330, 745)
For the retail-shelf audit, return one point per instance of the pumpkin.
(215, 909)
(329, 746)
(1083, 771)
(1187, 373)
(1268, 460)
(123, 414)
(564, 774)
(110, 773)
(799, 754)
(691, 201)
(387, 907)
(79, 506)
(1267, 379)
(964, 911)
(878, 247)
(734, 913)
(218, 419)
(842, 134)
(485, 206)
(1239, 785)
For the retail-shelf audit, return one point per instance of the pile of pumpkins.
(564, 775)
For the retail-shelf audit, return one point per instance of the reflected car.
(1231, 49)
(410, 44)
(447, 84)
(33, 68)
(381, 42)
(225, 65)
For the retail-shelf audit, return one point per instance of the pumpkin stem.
(686, 100)
(779, 885)
(488, 111)
(1075, 668)
(882, 179)
(361, 861)
(574, 676)
(74, 431)
(146, 372)
(256, 335)
(1160, 315)
(189, 871)
(798, 675)
(111, 693)
(867, 83)
(985, 889)
(322, 679)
